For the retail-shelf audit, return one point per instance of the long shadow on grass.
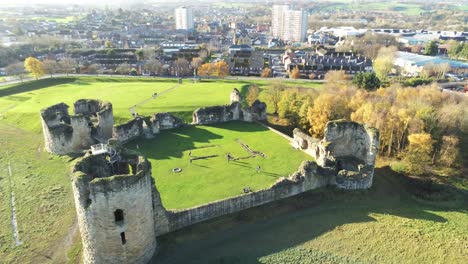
(172, 143)
(240, 126)
(246, 236)
(35, 85)
(275, 175)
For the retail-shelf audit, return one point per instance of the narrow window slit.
(122, 237)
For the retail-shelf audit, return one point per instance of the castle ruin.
(120, 213)
(92, 123)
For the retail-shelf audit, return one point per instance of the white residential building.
(288, 24)
(184, 18)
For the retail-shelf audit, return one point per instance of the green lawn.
(215, 178)
(20, 104)
(383, 225)
(42, 192)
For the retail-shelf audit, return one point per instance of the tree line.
(422, 126)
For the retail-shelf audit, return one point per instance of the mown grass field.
(386, 224)
(40, 181)
(21, 104)
(215, 178)
(383, 225)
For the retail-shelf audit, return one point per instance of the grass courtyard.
(214, 178)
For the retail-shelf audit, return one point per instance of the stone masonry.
(64, 133)
(348, 148)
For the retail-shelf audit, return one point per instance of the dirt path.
(60, 249)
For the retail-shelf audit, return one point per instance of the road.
(240, 78)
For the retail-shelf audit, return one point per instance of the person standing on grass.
(258, 169)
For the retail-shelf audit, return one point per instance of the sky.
(80, 2)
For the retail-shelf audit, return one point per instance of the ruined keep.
(63, 133)
(114, 205)
(348, 149)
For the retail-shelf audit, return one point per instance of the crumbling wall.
(100, 116)
(306, 178)
(225, 113)
(217, 114)
(92, 122)
(99, 196)
(348, 148)
(162, 121)
(82, 129)
(130, 130)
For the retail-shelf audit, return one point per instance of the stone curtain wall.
(305, 179)
(129, 130)
(139, 127)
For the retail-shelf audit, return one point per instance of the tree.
(366, 80)
(266, 73)
(203, 54)
(144, 54)
(124, 68)
(182, 67)
(140, 54)
(431, 48)
(312, 76)
(16, 69)
(67, 65)
(457, 50)
(108, 44)
(336, 78)
(448, 153)
(221, 69)
(418, 154)
(383, 64)
(273, 95)
(153, 66)
(51, 67)
(290, 105)
(196, 63)
(34, 66)
(205, 69)
(326, 107)
(94, 69)
(295, 73)
(252, 94)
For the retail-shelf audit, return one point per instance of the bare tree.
(94, 69)
(153, 66)
(181, 66)
(16, 69)
(68, 65)
(51, 67)
(124, 68)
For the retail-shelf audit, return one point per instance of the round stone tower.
(114, 205)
